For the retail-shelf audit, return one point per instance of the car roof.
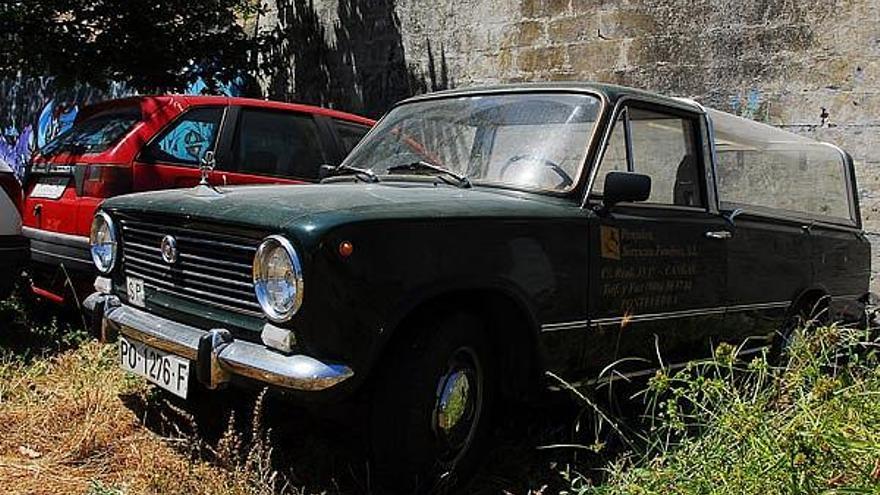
(612, 93)
(199, 100)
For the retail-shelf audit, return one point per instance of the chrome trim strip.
(749, 307)
(238, 357)
(55, 237)
(49, 254)
(571, 325)
(598, 322)
(166, 270)
(223, 263)
(193, 239)
(657, 316)
(171, 288)
(135, 252)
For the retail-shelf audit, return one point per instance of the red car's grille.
(211, 268)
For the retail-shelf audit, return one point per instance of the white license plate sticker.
(135, 289)
(168, 371)
(50, 187)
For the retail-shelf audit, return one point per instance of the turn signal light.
(345, 249)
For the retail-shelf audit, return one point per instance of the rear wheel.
(431, 407)
(807, 314)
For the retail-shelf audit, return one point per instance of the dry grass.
(65, 428)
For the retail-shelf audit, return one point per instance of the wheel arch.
(510, 323)
(809, 300)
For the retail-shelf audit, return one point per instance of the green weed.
(725, 426)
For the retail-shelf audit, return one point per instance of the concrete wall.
(811, 66)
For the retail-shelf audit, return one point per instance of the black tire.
(810, 314)
(411, 451)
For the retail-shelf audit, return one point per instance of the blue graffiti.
(26, 130)
(189, 141)
(748, 109)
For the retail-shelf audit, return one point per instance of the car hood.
(310, 208)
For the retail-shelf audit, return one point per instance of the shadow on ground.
(531, 446)
(35, 328)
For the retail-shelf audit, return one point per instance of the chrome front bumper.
(217, 355)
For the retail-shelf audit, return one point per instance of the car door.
(274, 146)
(658, 267)
(770, 251)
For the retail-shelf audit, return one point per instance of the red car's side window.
(280, 144)
(188, 139)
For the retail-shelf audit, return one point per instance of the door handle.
(719, 234)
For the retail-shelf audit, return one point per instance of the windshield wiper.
(363, 174)
(460, 180)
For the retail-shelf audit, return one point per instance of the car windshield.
(533, 141)
(94, 134)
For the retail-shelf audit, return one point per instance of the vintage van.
(476, 240)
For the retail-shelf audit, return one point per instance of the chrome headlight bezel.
(260, 277)
(103, 219)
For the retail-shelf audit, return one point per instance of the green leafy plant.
(726, 425)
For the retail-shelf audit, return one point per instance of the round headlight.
(278, 280)
(102, 242)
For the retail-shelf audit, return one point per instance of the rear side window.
(762, 166)
(659, 145)
(96, 133)
(349, 134)
(189, 138)
(276, 143)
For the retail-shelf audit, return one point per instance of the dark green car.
(476, 241)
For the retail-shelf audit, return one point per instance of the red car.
(158, 142)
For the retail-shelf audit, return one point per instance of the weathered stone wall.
(811, 66)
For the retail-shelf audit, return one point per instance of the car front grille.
(212, 268)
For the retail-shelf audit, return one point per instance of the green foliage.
(98, 488)
(729, 427)
(152, 46)
(30, 329)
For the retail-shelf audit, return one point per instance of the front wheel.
(431, 407)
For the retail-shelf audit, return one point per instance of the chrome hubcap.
(458, 404)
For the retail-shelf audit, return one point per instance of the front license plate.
(50, 187)
(135, 289)
(165, 370)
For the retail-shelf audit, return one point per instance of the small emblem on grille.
(169, 249)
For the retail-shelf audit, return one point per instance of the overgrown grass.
(72, 422)
(811, 425)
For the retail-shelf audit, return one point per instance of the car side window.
(614, 159)
(350, 134)
(662, 146)
(189, 138)
(764, 167)
(277, 143)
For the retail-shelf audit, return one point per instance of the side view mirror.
(625, 187)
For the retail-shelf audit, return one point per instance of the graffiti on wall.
(34, 111)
